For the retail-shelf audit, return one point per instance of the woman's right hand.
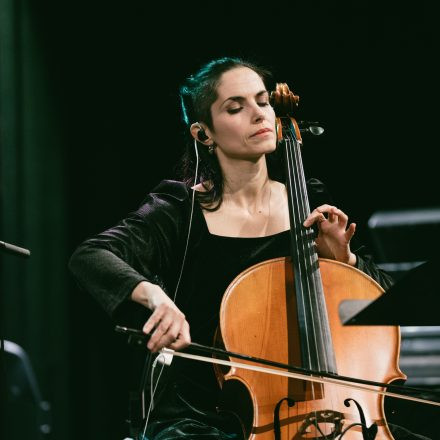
(167, 325)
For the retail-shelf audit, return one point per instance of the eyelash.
(233, 111)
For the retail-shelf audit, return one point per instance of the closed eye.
(232, 111)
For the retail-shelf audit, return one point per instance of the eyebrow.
(241, 98)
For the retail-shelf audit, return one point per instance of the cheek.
(271, 115)
(230, 129)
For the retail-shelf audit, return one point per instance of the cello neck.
(313, 324)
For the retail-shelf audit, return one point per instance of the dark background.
(90, 123)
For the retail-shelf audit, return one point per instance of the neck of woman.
(246, 183)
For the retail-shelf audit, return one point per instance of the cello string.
(316, 293)
(319, 313)
(304, 280)
(299, 277)
(304, 250)
(301, 255)
(308, 296)
(319, 308)
(306, 257)
(327, 343)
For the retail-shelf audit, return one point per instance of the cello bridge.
(321, 424)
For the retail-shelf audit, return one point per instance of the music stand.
(412, 301)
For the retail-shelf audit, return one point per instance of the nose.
(257, 114)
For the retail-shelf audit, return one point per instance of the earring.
(211, 148)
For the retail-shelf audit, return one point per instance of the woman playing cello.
(177, 259)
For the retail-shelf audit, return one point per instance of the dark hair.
(197, 95)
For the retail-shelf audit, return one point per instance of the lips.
(263, 130)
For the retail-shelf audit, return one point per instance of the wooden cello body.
(261, 309)
(286, 310)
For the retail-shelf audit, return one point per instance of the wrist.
(143, 294)
(352, 260)
(349, 259)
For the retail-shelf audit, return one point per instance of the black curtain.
(34, 292)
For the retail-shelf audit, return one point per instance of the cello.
(286, 310)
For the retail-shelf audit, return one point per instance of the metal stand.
(18, 382)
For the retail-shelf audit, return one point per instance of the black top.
(149, 245)
(213, 265)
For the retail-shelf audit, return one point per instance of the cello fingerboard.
(314, 331)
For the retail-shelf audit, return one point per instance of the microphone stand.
(24, 253)
(14, 250)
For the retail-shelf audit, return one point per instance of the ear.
(195, 128)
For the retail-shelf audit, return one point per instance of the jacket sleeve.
(319, 195)
(365, 263)
(142, 247)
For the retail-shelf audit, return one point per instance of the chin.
(270, 147)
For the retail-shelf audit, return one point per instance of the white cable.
(190, 219)
(153, 389)
(165, 358)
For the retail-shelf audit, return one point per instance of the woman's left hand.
(334, 237)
